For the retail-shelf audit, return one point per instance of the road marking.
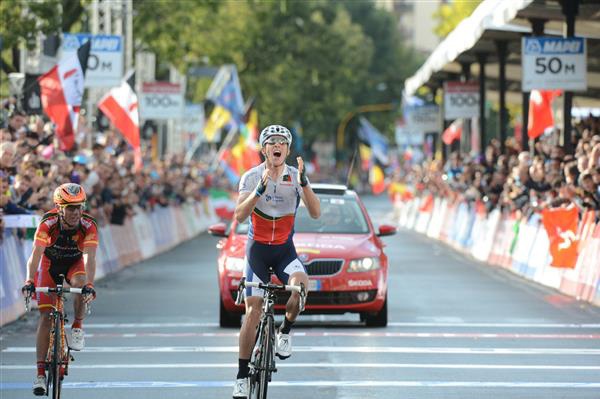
(329, 349)
(225, 384)
(317, 365)
(325, 319)
(357, 334)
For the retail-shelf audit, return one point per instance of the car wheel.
(378, 319)
(227, 319)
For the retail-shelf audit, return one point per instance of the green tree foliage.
(449, 15)
(311, 61)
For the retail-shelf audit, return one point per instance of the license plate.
(314, 285)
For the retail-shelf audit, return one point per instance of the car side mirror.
(386, 230)
(218, 230)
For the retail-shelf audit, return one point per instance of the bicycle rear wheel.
(54, 373)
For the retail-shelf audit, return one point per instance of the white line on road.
(330, 349)
(317, 365)
(225, 384)
(391, 324)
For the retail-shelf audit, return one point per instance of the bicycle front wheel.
(265, 360)
(56, 362)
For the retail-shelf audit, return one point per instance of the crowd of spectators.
(32, 166)
(521, 181)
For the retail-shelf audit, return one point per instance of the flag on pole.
(120, 105)
(369, 134)
(453, 132)
(62, 90)
(561, 227)
(540, 111)
(376, 179)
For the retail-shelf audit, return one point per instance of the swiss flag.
(561, 227)
(453, 132)
(120, 105)
(62, 90)
(540, 111)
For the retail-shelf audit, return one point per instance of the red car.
(341, 251)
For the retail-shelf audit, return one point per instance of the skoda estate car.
(342, 253)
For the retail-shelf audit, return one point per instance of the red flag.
(120, 105)
(540, 111)
(561, 226)
(453, 132)
(62, 90)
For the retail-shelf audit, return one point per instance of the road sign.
(554, 63)
(161, 100)
(105, 63)
(461, 100)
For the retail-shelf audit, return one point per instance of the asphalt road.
(458, 329)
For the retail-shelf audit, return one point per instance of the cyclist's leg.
(291, 272)
(292, 307)
(77, 279)
(45, 304)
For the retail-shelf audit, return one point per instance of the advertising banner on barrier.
(161, 100)
(554, 63)
(461, 100)
(105, 63)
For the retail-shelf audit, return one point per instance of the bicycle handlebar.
(271, 287)
(46, 290)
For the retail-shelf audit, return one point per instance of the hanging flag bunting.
(62, 90)
(561, 227)
(453, 132)
(540, 111)
(120, 105)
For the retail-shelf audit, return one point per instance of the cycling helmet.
(69, 194)
(275, 130)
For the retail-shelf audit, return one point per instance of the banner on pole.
(461, 100)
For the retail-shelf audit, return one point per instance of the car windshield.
(340, 215)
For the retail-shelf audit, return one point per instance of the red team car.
(341, 251)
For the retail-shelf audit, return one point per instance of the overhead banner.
(461, 100)
(421, 119)
(105, 63)
(161, 100)
(554, 63)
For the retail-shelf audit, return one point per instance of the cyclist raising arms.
(65, 242)
(270, 194)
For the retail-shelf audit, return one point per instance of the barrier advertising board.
(461, 100)
(105, 64)
(161, 100)
(554, 63)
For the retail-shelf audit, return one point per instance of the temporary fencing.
(140, 237)
(502, 240)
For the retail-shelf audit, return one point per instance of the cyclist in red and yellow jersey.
(65, 243)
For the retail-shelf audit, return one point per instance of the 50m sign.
(554, 63)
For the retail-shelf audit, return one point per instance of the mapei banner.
(461, 100)
(161, 100)
(105, 63)
(554, 63)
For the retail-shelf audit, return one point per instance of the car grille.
(323, 267)
(326, 297)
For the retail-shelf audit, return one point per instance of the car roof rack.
(336, 189)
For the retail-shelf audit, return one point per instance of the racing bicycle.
(59, 352)
(262, 360)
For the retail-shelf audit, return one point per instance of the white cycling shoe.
(283, 345)
(240, 388)
(39, 385)
(77, 341)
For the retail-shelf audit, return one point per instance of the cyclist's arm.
(245, 204)
(34, 261)
(89, 259)
(312, 202)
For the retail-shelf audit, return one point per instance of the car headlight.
(363, 265)
(234, 264)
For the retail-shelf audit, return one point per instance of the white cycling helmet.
(274, 130)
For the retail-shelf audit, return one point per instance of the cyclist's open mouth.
(276, 154)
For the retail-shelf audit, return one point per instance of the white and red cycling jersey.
(272, 220)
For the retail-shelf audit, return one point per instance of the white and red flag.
(120, 105)
(62, 91)
(453, 132)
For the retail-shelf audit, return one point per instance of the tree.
(449, 15)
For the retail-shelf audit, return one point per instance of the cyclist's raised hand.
(262, 184)
(28, 289)
(301, 172)
(88, 292)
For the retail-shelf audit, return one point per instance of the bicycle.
(59, 352)
(262, 360)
